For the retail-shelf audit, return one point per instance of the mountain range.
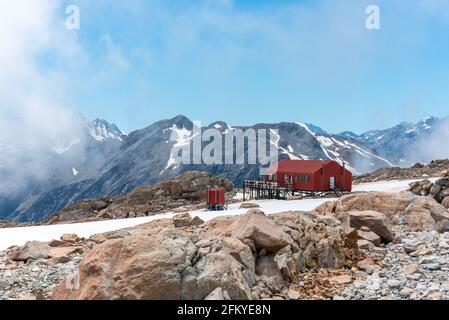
(100, 160)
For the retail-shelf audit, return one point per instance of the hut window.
(304, 179)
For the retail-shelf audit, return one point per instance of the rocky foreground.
(362, 246)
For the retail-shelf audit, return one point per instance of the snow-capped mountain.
(403, 143)
(101, 131)
(92, 132)
(32, 165)
(88, 133)
(147, 156)
(115, 163)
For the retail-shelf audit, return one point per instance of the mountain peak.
(101, 130)
(219, 125)
(312, 129)
(181, 121)
(428, 118)
(426, 123)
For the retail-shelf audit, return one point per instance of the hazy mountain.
(104, 161)
(27, 171)
(405, 143)
(146, 156)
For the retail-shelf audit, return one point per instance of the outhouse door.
(332, 183)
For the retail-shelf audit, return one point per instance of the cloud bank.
(34, 115)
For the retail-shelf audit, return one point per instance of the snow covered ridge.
(294, 141)
(180, 137)
(410, 129)
(334, 148)
(98, 129)
(101, 130)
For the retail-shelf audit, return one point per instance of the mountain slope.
(29, 169)
(147, 156)
(404, 143)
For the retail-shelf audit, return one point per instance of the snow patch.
(65, 146)
(305, 126)
(101, 131)
(288, 152)
(181, 137)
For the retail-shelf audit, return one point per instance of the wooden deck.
(255, 189)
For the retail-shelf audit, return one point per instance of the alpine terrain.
(100, 160)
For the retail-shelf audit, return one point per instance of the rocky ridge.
(418, 171)
(181, 193)
(438, 190)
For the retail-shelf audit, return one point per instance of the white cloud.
(33, 109)
(434, 147)
(114, 54)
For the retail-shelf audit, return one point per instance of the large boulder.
(421, 188)
(249, 205)
(403, 208)
(236, 254)
(267, 268)
(255, 226)
(185, 220)
(59, 252)
(445, 202)
(156, 264)
(70, 238)
(444, 193)
(445, 174)
(369, 236)
(317, 241)
(218, 294)
(182, 220)
(377, 222)
(32, 250)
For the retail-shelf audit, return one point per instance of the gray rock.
(182, 220)
(4, 284)
(218, 294)
(394, 284)
(409, 247)
(431, 266)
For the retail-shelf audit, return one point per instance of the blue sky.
(245, 62)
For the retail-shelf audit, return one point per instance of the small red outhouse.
(310, 175)
(216, 199)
